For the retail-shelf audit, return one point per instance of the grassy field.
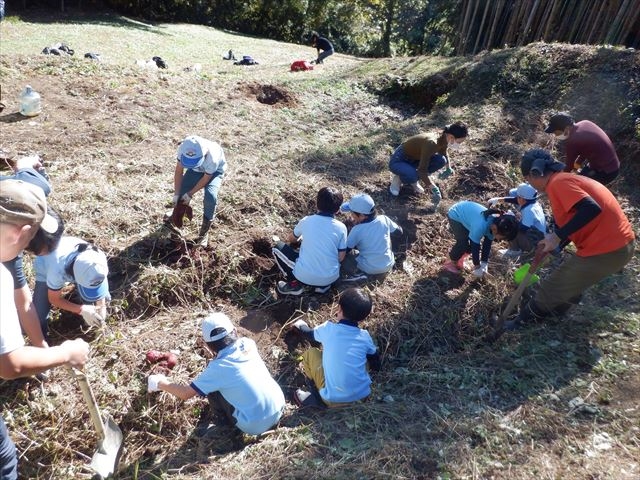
(558, 400)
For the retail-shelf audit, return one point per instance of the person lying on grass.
(339, 371)
(236, 382)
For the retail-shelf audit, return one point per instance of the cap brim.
(92, 294)
(49, 224)
(345, 207)
(188, 162)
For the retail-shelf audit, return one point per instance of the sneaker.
(417, 188)
(303, 398)
(290, 288)
(322, 289)
(396, 183)
(450, 267)
(355, 277)
(460, 262)
(508, 253)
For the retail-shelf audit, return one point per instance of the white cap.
(361, 203)
(526, 191)
(215, 321)
(190, 152)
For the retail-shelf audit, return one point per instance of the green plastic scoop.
(521, 273)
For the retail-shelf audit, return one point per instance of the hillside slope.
(446, 405)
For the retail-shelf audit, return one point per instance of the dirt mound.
(271, 94)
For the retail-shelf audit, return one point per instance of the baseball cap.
(22, 203)
(525, 191)
(559, 121)
(538, 162)
(216, 326)
(190, 152)
(90, 272)
(361, 203)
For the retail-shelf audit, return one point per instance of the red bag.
(301, 65)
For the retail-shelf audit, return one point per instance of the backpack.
(301, 65)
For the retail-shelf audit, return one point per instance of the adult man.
(587, 214)
(23, 209)
(588, 149)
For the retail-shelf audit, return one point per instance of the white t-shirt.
(240, 375)
(10, 332)
(214, 160)
(373, 241)
(322, 238)
(344, 359)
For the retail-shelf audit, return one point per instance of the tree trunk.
(496, 20)
(390, 6)
(481, 29)
(532, 14)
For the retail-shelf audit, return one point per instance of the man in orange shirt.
(587, 214)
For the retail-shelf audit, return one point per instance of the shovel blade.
(105, 460)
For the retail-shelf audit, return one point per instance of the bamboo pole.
(532, 14)
(481, 29)
(496, 19)
(464, 27)
(613, 30)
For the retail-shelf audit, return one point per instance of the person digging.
(200, 166)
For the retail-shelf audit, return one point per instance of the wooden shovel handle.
(90, 399)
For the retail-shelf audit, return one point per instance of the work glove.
(492, 202)
(446, 173)
(186, 198)
(482, 270)
(91, 316)
(102, 311)
(176, 197)
(153, 380)
(436, 195)
(302, 326)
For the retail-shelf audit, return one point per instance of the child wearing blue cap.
(369, 241)
(533, 224)
(80, 263)
(205, 164)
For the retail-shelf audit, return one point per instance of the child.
(533, 224)
(78, 262)
(423, 154)
(371, 235)
(323, 247)
(339, 371)
(472, 223)
(321, 43)
(236, 382)
(205, 163)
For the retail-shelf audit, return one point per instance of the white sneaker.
(396, 183)
(508, 253)
(417, 188)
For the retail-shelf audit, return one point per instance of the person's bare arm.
(57, 300)
(184, 392)
(27, 361)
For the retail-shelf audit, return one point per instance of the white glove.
(186, 198)
(91, 316)
(493, 201)
(446, 173)
(102, 311)
(153, 380)
(436, 195)
(481, 270)
(302, 326)
(176, 197)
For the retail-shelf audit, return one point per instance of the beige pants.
(312, 367)
(566, 283)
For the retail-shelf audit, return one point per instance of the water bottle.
(30, 102)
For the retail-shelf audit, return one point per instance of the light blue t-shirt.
(344, 360)
(323, 237)
(242, 378)
(51, 268)
(373, 241)
(470, 215)
(533, 217)
(214, 160)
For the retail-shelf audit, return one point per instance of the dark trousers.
(221, 408)
(8, 456)
(461, 235)
(602, 177)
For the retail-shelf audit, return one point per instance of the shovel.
(537, 262)
(105, 459)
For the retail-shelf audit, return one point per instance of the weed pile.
(446, 404)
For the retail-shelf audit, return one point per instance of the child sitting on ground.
(472, 223)
(236, 382)
(533, 224)
(323, 247)
(339, 371)
(371, 236)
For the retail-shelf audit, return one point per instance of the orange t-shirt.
(609, 231)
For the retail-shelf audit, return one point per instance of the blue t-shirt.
(242, 378)
(344, 360)
(372, 238)
(323, 237)
(470, 215)
(533, 217)
(52, 268)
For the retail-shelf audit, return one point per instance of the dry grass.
(446, 405)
